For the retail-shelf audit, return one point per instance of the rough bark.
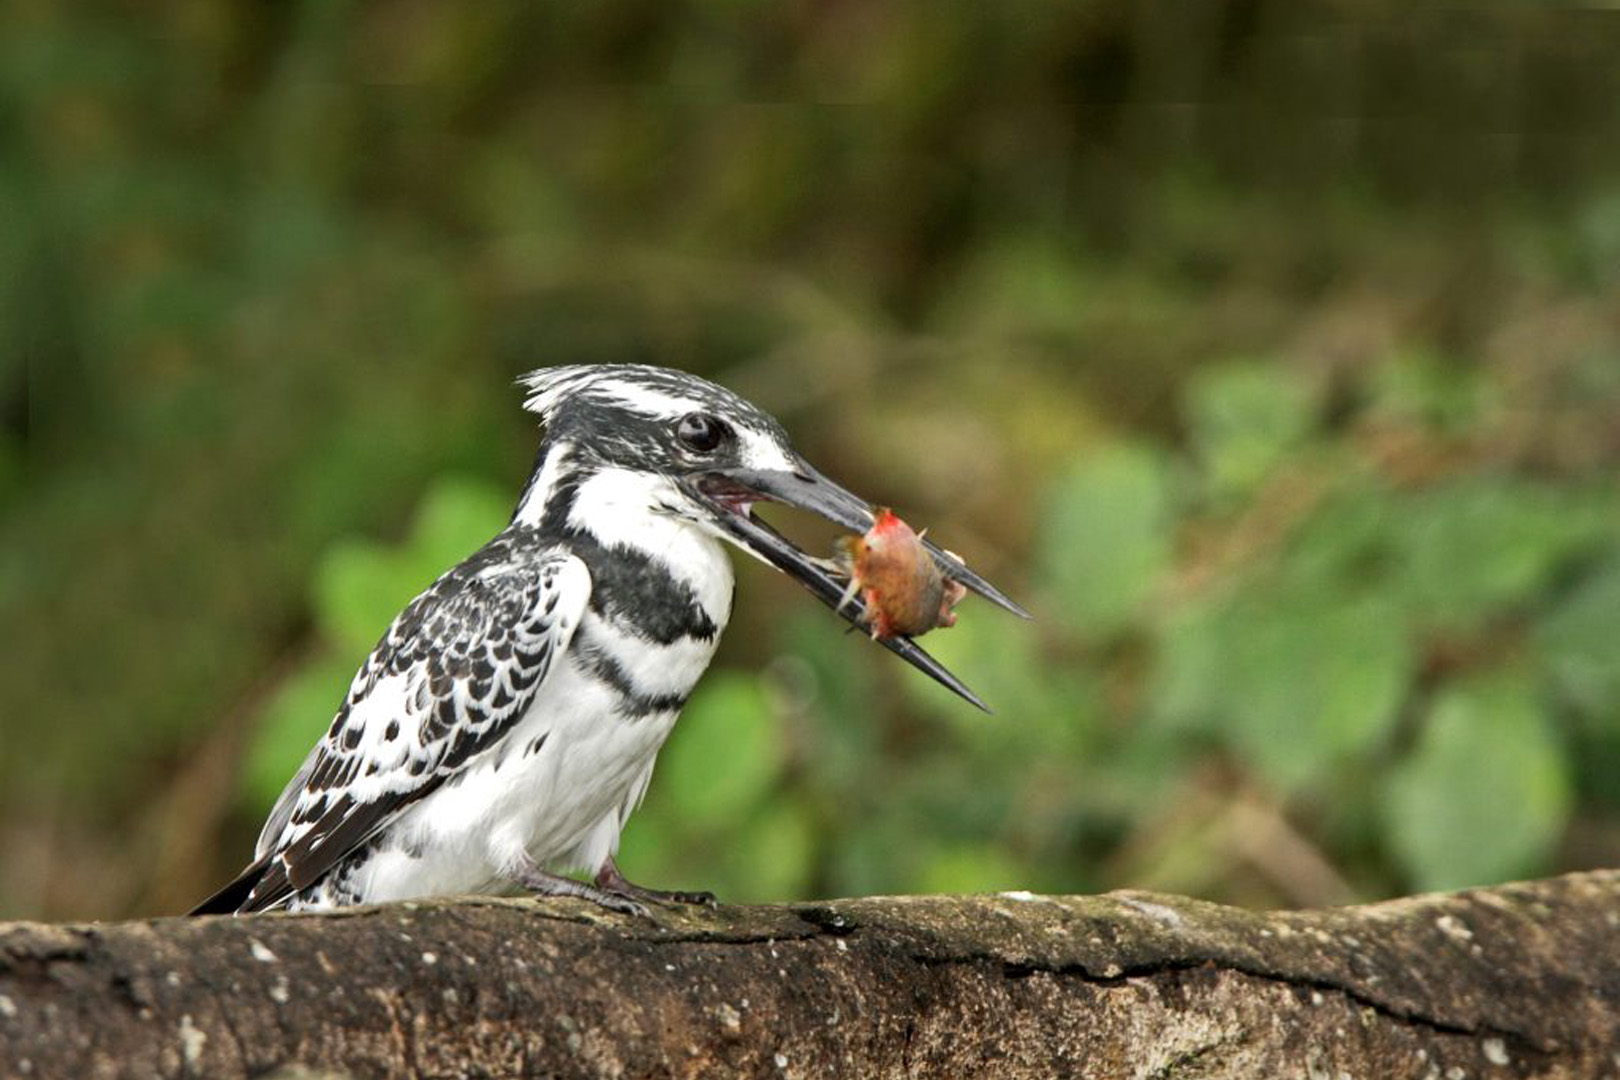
(1521, 980)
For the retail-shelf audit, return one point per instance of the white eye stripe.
(760, 451)
(649, 402)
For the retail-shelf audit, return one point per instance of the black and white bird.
(506, 725)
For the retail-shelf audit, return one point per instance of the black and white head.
(669, 443)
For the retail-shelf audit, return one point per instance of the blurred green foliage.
(1268, 352)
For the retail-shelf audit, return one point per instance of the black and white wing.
(453, 675)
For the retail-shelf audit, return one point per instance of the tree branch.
(1521, 980)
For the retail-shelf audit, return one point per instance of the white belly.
(562, 806)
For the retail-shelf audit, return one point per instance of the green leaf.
(1486, 794)
(1106, 537)
(1313, 679)
(1420, 387)
(296, 716)
(1293, 680)
(1347, 541)
(458, 516)
(361, 585)
(1484, 544)
(1245, 420)
(724, 754)
(1581, 641)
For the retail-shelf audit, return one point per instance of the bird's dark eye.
(700, 432)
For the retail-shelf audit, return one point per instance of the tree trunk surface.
(1520, 980)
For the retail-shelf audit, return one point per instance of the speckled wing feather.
(453, 675)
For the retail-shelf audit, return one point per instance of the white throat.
(622, 508)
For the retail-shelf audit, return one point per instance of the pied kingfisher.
(506, 725)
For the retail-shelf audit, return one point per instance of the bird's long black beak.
(731, 493)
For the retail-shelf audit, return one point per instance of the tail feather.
(233, 898)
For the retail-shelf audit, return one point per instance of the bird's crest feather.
(548, 387)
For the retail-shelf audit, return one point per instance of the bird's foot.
(544, 883)
(610, 880)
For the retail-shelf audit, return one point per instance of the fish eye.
(701, 432)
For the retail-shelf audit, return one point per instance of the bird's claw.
(625, 905)
(541, 882)
(609, 879)
(636, 893)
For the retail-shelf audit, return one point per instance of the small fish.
(891, 570)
